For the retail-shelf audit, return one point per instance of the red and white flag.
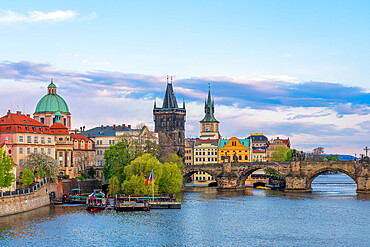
(150, 178)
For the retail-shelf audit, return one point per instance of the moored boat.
(96, 201)
(129, 203)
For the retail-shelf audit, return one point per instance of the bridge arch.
(189, 172)
(328, 169)
(245, 174)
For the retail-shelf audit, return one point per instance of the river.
(333, 215)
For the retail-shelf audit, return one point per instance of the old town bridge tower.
(169, 121)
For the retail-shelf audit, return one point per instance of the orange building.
(237, 149)
(84, 155)
(23, 136)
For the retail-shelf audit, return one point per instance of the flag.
(150, 178)
(92, 196)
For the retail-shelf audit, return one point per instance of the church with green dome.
(49, 105)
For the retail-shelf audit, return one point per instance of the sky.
(297, 69)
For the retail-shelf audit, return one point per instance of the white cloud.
(39, 16)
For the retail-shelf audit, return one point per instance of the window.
(42, 139)
(20, 150)
(49, 139)
(49, 150)
(36, 139)
(61, 158)
(28, 150)
(20, 138)
(21, 162)
(28, 139)
(42, 150)
(35, 150)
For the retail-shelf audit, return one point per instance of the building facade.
(49, 105)
(274, 145)
(205, 151)
(63, 147)
(189, 154)
(23, 136)
(84, 155)
(237, 149)
(169, 122)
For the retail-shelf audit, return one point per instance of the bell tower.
(209, 124)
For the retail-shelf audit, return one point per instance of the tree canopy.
(7, 177)
(281, 154)
(27, 177)
(167, 177)
(41, 164)
(121, 154)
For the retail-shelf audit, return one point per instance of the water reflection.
(249, 217)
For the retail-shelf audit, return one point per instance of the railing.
(25, 191)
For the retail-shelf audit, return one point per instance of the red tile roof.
(79, 137)
(20, 123)
(59, 129)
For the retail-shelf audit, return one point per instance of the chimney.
(28, 115)
(114, 126)
(18, 113)
(88, 135)
(129, 126)
(93, 134)
(123, 126)
(102, 127)
(8, 112)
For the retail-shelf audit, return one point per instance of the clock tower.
(209, 124)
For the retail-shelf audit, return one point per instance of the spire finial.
(209, 85)
(171, 79)
(51, 80)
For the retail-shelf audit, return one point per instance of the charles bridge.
(298, 175)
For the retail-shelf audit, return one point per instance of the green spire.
(209, 108)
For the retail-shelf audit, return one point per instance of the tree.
(27, 177)
(167, 177)
(174, 158)
(121, 154)
(7, 177)
(114, 186)
(318, 151)
(281, 154)
(36, 161)
(91, 172)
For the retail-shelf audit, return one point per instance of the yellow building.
(205, 152)
(237, 149)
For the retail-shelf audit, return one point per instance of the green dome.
(51, 103)
(52, 84)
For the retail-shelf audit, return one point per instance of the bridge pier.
(226, 179)
(296, 184)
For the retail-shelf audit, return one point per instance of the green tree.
(6, 167)
(40, 173)
(121, 154)
(27, 177)
(173, 158)
(167, 177)
(280, 154)
(114, 186)
(36, 161)
(91, 172)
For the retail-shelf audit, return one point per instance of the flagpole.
(153, 187)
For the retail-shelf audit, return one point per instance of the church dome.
(52, 102)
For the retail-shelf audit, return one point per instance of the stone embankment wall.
(86, 186)
(17, 204)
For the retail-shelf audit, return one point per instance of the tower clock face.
(208, 128)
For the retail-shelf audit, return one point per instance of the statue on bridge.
(298, 156)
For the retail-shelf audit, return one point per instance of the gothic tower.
(169, 121)
(209, 124)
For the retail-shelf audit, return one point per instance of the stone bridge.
(298, 175)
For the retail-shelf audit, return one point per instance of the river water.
(333, 215)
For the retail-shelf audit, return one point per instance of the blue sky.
(287, 68)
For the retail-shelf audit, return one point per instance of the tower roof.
(169, 98)
(209, 108)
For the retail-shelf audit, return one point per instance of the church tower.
(209, 124)
(169, 121)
